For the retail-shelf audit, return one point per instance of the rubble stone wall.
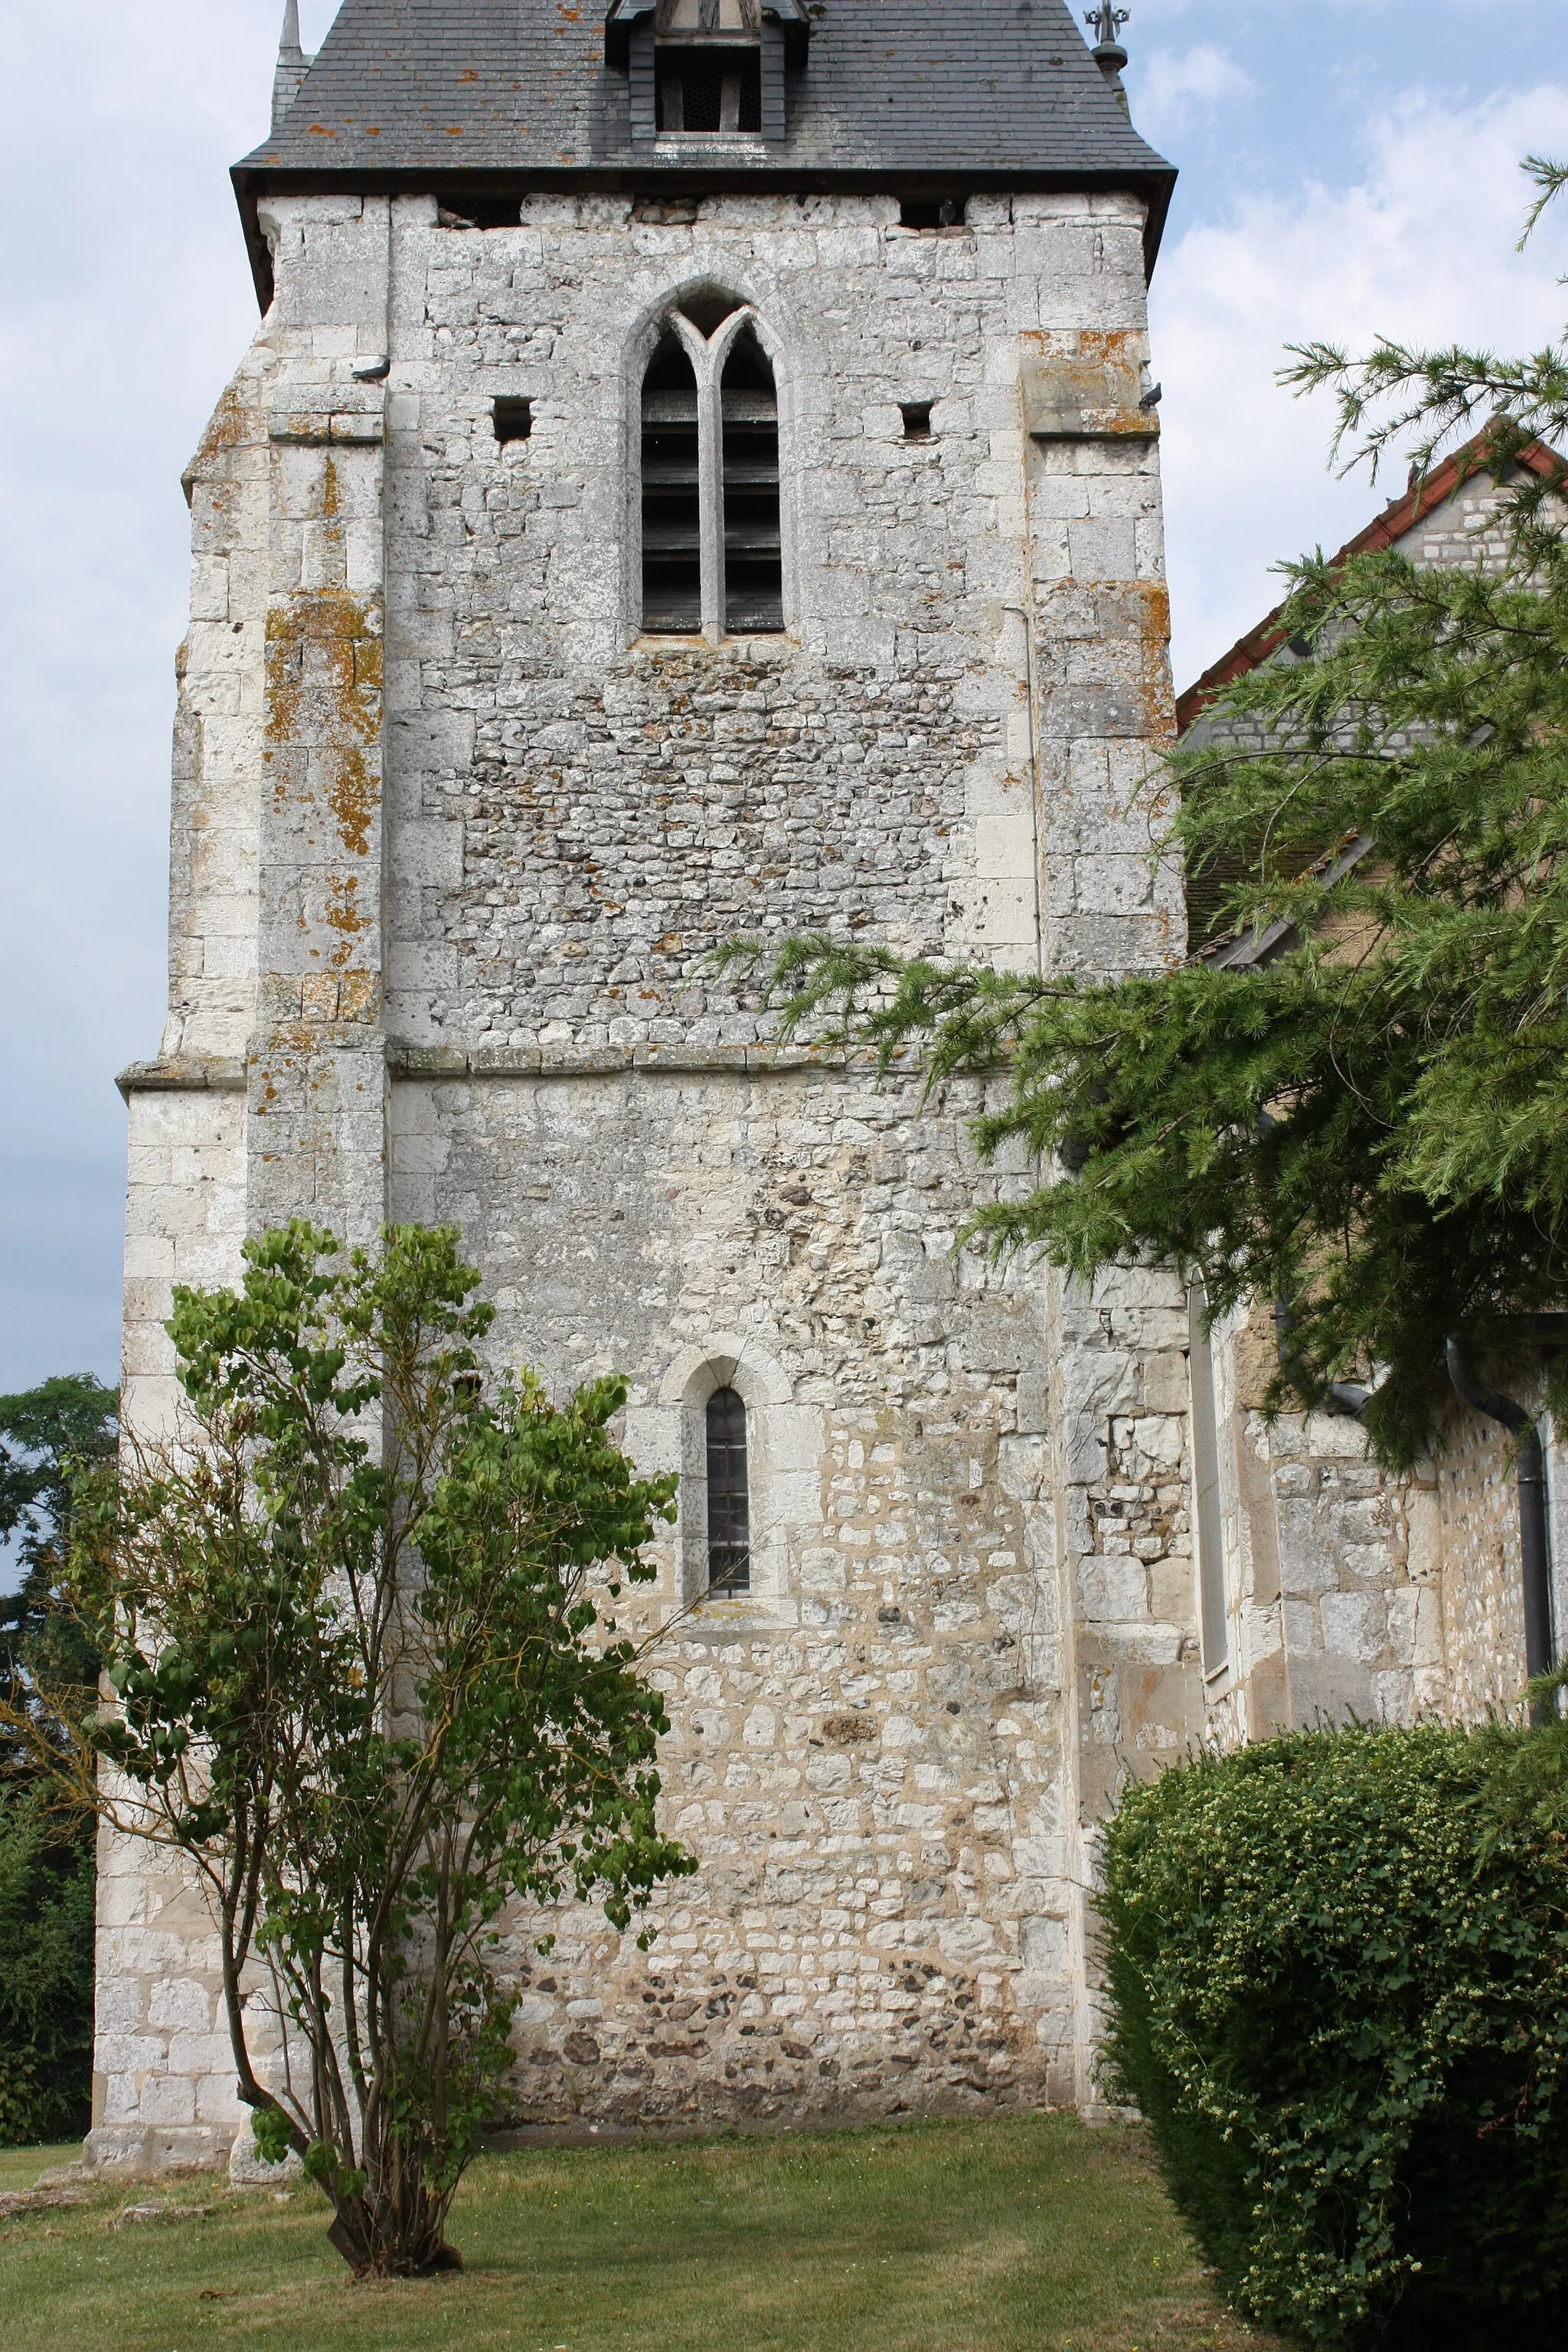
(453, 842)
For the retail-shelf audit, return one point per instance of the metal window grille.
(729, 1501)
(716, 91)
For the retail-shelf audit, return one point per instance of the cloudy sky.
(1347, 166)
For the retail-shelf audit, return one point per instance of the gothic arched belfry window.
(711, 549)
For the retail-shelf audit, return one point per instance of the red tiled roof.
(1392, 524)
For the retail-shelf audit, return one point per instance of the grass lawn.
(1032, 2235)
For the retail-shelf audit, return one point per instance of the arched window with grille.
(712, 548)
(729, 1495)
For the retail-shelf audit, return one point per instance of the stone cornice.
(182, 1073)
(186, 1074)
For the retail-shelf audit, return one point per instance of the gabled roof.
(894, 93)
(1414, 505)
(1205, 890)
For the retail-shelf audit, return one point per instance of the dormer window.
(701, 70)
(708, 68)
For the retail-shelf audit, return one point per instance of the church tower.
(696, 475)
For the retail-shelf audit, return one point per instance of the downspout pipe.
(1531, 1460)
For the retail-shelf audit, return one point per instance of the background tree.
(353, 1617)
(1372, 1128)
(48, 1436)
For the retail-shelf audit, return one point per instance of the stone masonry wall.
(1358, 1591)
(453, 844)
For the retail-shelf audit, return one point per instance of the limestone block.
(1335, 1437)
(179, 2005)
(1112, 886)
(1423, 1537)
(1113, 1591)
(217, 2101)
(1307, 1565)
(1355, 1624)
(247, 2169)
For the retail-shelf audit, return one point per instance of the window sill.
(726, 1620)
(670, 641)
(722, 142)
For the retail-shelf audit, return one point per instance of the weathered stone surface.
(453, 842)
(249, 2169)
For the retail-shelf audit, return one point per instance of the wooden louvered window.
(712, 550)
(709, 68)
(729, 1498)
(671, 512)
(753, 569)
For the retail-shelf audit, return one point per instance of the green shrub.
(45, 1974)
(1338, 1969)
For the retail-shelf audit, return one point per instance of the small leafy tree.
(1372, 1128)
(366, 1689)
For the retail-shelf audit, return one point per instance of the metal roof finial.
(1106, 23)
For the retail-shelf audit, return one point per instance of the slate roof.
(896, 93)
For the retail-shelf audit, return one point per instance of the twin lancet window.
(712, 554)
(728, 1496)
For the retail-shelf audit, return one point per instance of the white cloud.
(1421, 247)
(1174, 86)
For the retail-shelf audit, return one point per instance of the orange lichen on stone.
(359, 996)
(1093, 391)
(344, 913)
(230, 426)
(324, 646)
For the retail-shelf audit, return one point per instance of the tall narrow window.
(712, 548)
(671, 513)
(729, 1502)
(753, 567)
(1212, 1621)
